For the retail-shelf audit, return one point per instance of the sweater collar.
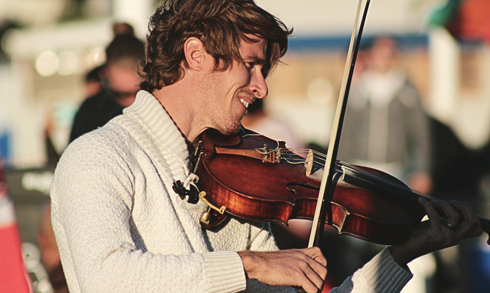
(158, 135)
(153, 117)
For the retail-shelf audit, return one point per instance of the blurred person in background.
(120, 82)
(386, 128)
(385, 124)
(50, 256)
(13, 274)
(121, 28)
(93, 81)
(52, 154)
(93, 85)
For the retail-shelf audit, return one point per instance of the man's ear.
(195, 54)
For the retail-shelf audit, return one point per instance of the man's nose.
(258, 85)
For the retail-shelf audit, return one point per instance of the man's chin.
(231, 130)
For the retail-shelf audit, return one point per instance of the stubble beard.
(230, 128)
(231, 125)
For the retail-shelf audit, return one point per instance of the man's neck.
(177, 101)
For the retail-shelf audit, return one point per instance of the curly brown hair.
(219, 24)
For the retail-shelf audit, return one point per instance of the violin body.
(253, 179)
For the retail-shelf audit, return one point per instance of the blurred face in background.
(383, 55)
(92, 87)
(123, 81)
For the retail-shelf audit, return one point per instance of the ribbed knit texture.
(121, 228)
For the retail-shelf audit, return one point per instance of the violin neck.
(383, 183)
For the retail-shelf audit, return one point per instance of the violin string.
(285, 149)
(318, 157)
(318, 154)
(304, 150)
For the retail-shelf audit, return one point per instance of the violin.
(252, 177)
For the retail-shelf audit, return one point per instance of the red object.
(13, 275)
(471, 21)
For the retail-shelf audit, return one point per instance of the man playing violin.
(120, 225)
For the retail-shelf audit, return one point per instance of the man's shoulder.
(110, 136)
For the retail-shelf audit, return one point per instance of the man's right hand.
(300, 268)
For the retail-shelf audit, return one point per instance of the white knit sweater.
(121, 228)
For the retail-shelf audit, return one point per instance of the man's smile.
(245, 103)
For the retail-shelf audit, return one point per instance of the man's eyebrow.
(256, 60)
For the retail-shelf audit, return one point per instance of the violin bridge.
(269, 155)
(309, 163)
(276, 155)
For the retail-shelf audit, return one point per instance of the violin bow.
(326, 184)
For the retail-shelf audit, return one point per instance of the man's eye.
(249, 65)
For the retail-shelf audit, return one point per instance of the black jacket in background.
(93, 113)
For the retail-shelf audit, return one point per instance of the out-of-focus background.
(441, 46)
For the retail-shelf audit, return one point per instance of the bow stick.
(326, 184)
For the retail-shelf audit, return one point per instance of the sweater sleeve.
(91, 211)
(381, 275)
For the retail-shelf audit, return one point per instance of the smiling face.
(225, 95)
